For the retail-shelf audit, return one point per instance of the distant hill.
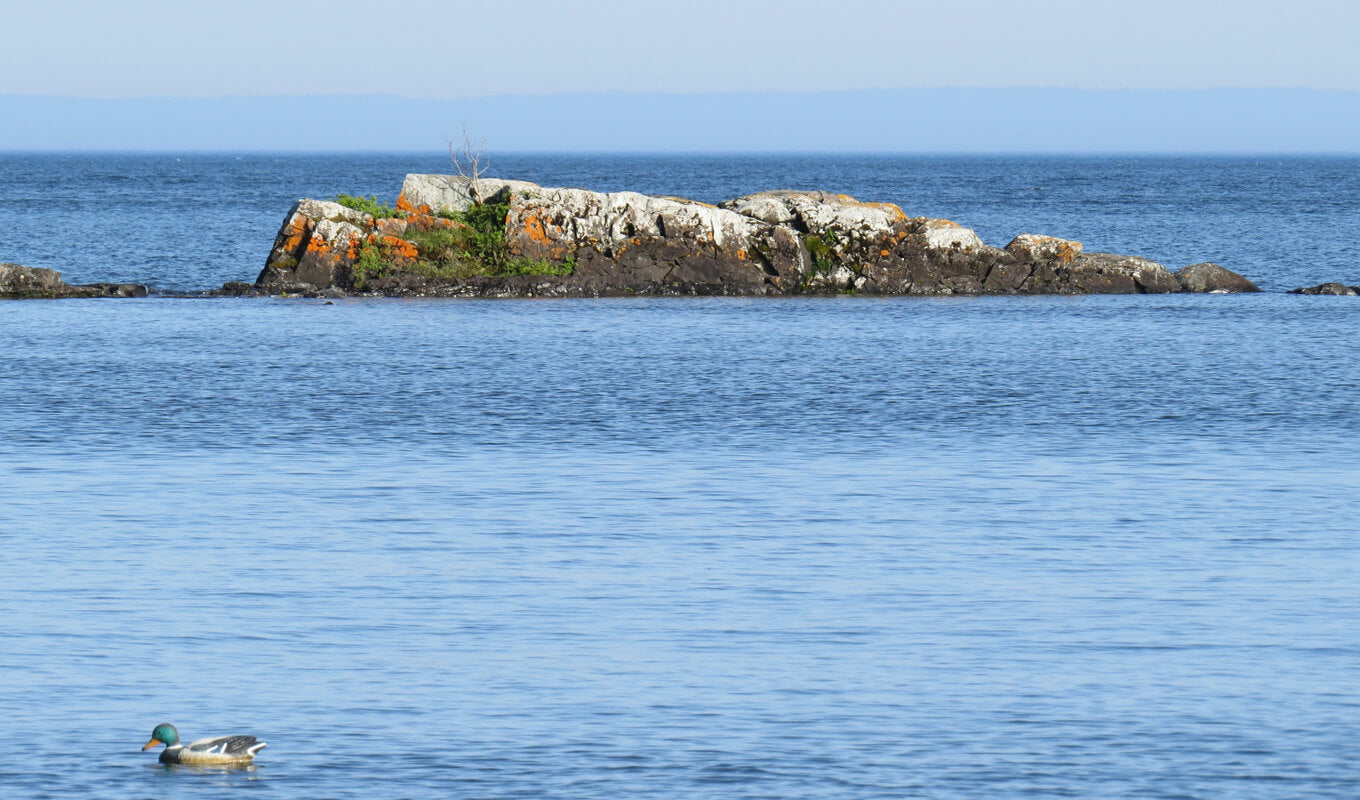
(899, 120)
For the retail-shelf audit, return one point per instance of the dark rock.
(1329, 288)
(118, 289)
(1209, 278)
(20, 282)
(1106, 273)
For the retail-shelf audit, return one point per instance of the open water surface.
(1098, 547)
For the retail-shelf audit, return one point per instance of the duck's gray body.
(224, 750)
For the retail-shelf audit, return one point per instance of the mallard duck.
(224, 751)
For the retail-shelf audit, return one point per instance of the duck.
(222, 751)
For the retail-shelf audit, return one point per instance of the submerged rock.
(575, 242)
(1329, 288)
(20, 282)
(1209, 278)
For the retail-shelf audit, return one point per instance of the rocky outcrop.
(574, 242)
(316, 246)
(1209, 278)
(20, 282)
(1329, 288)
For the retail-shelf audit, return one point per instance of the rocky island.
(456, 236)
(20, 282)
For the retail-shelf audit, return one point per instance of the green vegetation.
(474, 246)
(368, 267)
(369, 205)
(442, 245)
(486, 233)
(821, 251)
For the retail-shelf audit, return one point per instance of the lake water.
(685, 548)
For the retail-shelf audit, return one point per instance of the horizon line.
(676, 93)
(686, 153)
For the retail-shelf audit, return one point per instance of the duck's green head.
(165, 734)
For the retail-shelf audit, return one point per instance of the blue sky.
(424, 51)
(422, 48)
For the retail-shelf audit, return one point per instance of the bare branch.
(468, 162)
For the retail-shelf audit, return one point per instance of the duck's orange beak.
(152, 744)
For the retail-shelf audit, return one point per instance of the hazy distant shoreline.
(872, 120)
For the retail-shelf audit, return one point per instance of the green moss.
(369, 205)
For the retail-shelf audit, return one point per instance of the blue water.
(719, 548)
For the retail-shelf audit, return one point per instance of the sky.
(427, 48)
(424, 50)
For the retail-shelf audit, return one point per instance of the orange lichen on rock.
(355, 245)
(295, 233)
(398, 248)
(892, 208)
(391, 247)
(318, 246)
(405, 205)
(535, 229)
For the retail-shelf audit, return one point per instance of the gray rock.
(18, 282)
(1102, 273)
(435, 193)
(1329, 288)
(629, 239)
(1209, 278)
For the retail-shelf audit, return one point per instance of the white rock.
(337, 232)
(1037, 247)
(454, 192)
(614, 219)
(818, 211)
(324, 209)
(948, 235)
